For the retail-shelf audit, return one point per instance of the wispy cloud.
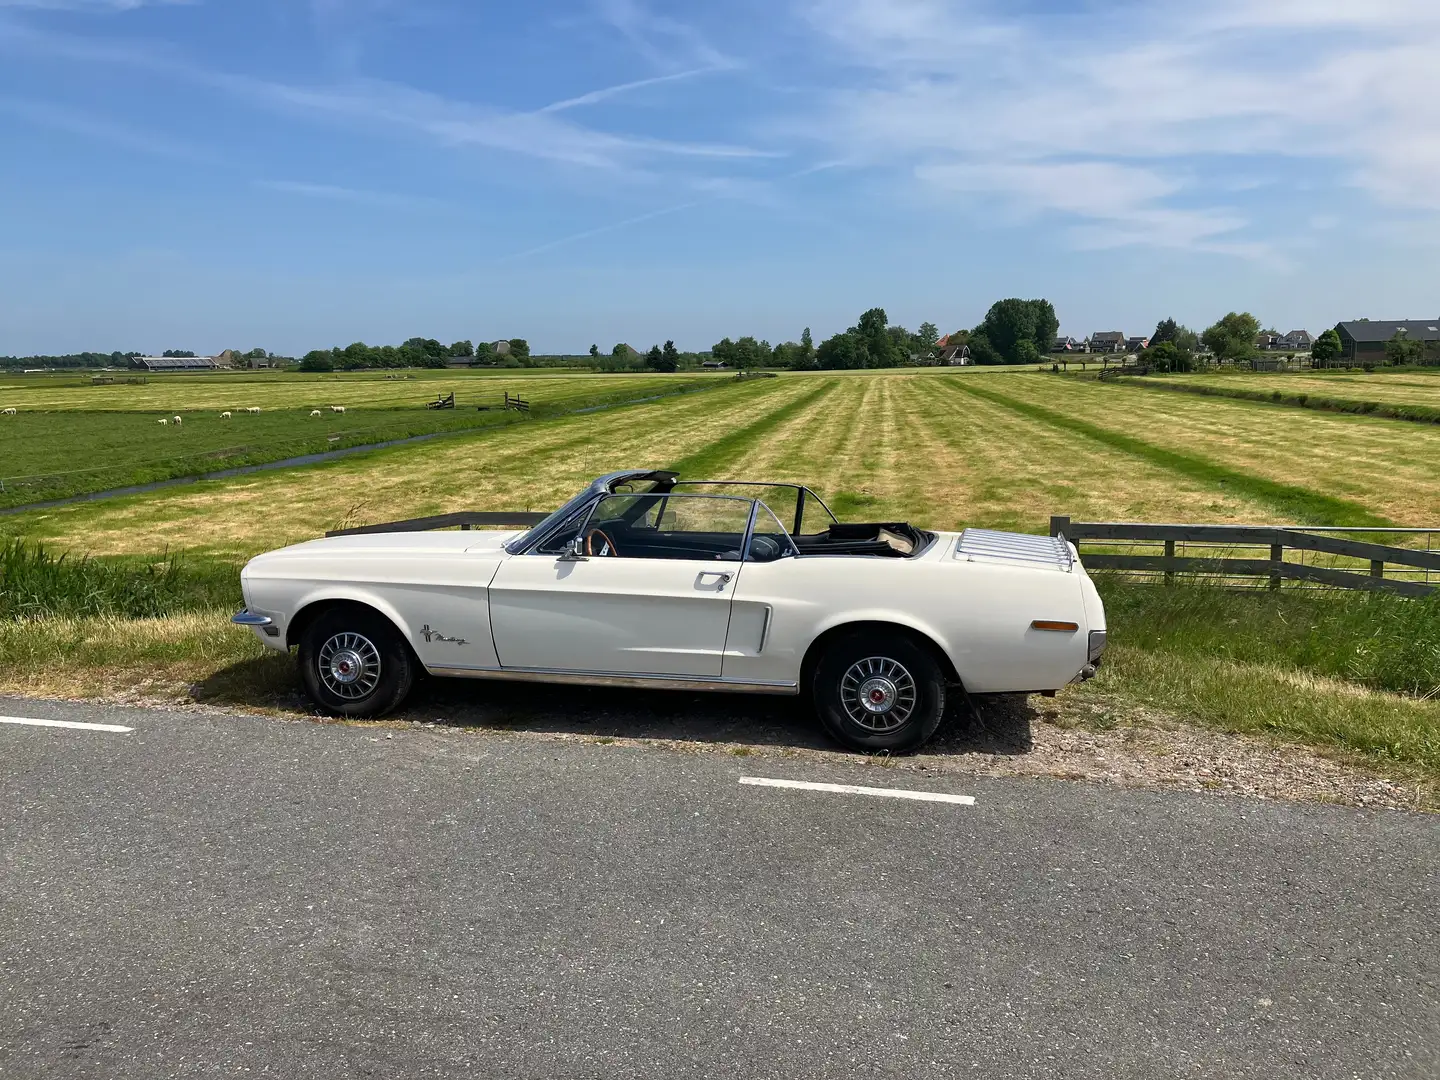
(664, 41)
(89, 5)
(600, 230)
(1097, 118)
(358, 196)
(596, 96)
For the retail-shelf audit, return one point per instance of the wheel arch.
(313, 607)
(879, 626)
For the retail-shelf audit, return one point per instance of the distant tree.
(520, 349)
(669, 357)
(462, 348)
(1010, 322)
(1165, 330)
(1233, 337)
(654, 358)
(594, 351)
(807, 348)
(179, 354)
(724, 351)
(1401, 350)
(842, 352)
(928, 335)
(1327, 348)
(318, 360)
(879, 350)
(484, 353)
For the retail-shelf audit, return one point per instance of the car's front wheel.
(354, 662)
(879, 692)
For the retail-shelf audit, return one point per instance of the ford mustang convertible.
(645, 580)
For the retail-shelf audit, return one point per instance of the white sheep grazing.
(178, 421)
(337, 408)
(252, 409)
(163, 421)
(314, 412)
(224, 416)
(9, 412)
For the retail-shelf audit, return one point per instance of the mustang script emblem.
(435, 635)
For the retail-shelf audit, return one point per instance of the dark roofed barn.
(1365, 339)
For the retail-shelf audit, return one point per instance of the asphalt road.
(211, 895)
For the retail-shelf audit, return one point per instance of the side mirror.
(574, 550)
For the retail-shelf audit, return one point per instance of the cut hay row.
(1389, 403)
(1390, 468)
(1400, 388)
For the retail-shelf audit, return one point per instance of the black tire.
(903, 677)
(379, 664)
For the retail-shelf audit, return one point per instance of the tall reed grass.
(36, 583)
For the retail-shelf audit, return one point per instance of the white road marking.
(33, 722)
(852, 789)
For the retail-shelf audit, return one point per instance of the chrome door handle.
(723, 575)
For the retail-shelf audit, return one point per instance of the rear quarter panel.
(979, 614)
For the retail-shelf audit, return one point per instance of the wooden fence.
(1351, 564)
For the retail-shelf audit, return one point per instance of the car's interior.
(684, 525)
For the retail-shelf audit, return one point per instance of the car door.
(650, 595)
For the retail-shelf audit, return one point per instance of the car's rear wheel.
(354, 662)
(879, 692)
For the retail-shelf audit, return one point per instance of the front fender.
(356, 594)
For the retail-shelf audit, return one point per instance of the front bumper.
(263, 625)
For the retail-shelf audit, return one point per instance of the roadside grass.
(52, 455)
(1354, 674)
(1389, 468)
(35, 582)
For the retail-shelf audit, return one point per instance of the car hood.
(396, 543)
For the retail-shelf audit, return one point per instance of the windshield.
(638, 484)
(799, 508)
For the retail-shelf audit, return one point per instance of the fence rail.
(1351, 564)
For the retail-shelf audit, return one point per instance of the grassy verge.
(1293, 503)
(36, 583)
(1350, 672)
(1393, 410)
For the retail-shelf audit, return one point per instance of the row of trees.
(417, 352)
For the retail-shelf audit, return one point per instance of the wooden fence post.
(1060, 526)
(1377, 568)
(1277, 556)
(1169, 562)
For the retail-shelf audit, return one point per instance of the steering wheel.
(590, 543)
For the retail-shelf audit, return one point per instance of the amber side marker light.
(1062, 627)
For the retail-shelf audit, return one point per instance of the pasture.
(943, 449)
(1401, 388)
(69, 437)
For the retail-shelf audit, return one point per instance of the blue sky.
(302, 173)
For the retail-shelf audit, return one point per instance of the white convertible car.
(644, 580)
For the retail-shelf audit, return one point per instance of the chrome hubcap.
(878, 693)
(349, 666)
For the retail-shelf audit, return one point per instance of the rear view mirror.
(574, 550)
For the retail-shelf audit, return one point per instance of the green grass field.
(73, 439)
(942, 449)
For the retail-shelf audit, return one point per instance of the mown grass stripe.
(1297, 505)
(719, 453)
(1389, 410)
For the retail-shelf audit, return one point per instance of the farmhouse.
(1136, 344)
(177, 363)
(1299, 340)
(1364, 339)
(1107, 341)
(1067, 344)
(714, 365)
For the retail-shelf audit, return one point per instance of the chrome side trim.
(249, 618)
(765, 629)
(609, 678)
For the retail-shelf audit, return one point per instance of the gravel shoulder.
(1079, 736)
